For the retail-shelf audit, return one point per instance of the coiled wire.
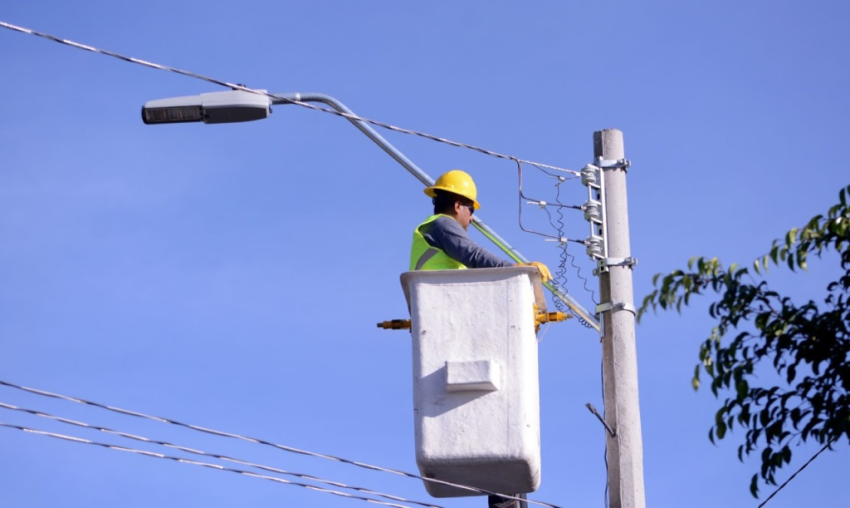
(560, 279)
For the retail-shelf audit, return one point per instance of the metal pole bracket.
(611, 306)
(623, 164)
(603, 264)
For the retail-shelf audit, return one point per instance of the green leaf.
(769, 327)
(743, 389)
(721, 429)
(766, 454)
(795, 416)
(774, 254)
(791, 237)
(762, 320)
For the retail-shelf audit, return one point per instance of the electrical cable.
(555, 282)
(560, 279)
(584, 280)
(561, 273)
(827, 445)
(522, 196)
(288, 100)
(244, 88)
(545, 331)
(605, 451)
(267, 443)
(349, 116)
(565, 252)
(560, 276)
(270, 469)
(542, 169)
(196, 463)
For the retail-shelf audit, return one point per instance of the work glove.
(545, 274)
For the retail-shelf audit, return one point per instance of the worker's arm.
(447, 234)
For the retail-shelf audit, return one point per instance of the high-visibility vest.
(425, 257)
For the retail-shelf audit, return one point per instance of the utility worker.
(441, 242)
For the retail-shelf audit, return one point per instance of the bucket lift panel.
(475, 382)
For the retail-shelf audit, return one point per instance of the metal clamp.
(604, 307)
(623, 164)
(603, 264)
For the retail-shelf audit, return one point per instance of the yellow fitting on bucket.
(395, 324)
(552, 317)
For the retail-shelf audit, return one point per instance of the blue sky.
(232, 275)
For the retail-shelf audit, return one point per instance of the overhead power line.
(236, 86)
(268, 443)
(786, 482)
(198, 463)
(212, 455)
(580, 313)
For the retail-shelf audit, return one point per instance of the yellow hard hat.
(457, 182)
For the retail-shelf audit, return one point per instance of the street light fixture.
(216, 107)
(242, 106)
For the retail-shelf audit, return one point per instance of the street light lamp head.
(215, 107)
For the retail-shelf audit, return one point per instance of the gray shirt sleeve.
(447, 234)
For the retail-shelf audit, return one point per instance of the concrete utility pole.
(619, 356)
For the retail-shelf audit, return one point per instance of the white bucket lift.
(475, 385)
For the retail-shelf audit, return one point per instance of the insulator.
(594, 246)
(588, 175)
(591, 210)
